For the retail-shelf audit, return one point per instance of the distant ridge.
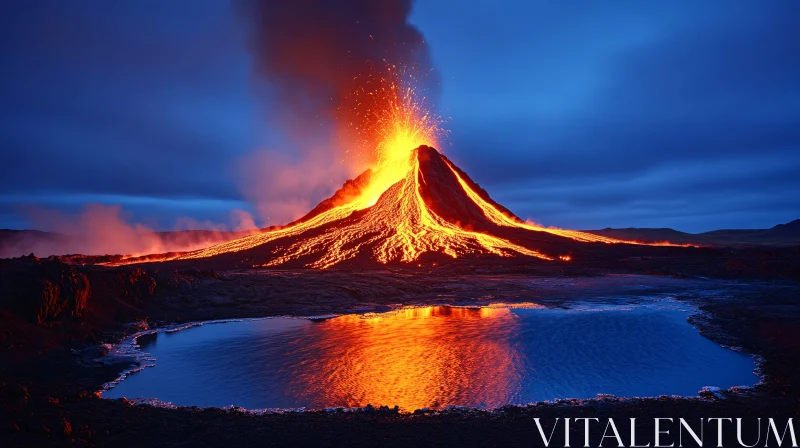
(780, 235)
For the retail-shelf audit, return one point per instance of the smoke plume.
(317, 52)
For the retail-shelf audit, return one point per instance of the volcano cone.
(434, 211)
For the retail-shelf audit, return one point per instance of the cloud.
(132, 100)
(699, 114)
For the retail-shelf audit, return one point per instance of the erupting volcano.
(413, 203)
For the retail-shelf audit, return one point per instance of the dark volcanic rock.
(42, 291)
(82, 299)
(479, 190)
(139, 283)
(788, 230)
(443, 194)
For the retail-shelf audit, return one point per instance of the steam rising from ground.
(103, 229)
(282, 190)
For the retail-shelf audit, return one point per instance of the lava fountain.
(387, 119)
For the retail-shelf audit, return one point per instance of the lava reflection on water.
(414, 358)
(435, 357)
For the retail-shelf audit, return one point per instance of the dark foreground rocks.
(53, 315)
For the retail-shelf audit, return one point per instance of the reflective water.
(434, 357)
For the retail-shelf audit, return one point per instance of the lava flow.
(412, 202)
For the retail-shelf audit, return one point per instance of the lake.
(437, 356)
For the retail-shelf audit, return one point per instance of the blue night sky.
(575, 114)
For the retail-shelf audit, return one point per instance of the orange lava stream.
(501, 219)
(496, 216)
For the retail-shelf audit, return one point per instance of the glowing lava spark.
(391, 120)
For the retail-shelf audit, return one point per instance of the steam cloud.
(102, 229)
(282, 190)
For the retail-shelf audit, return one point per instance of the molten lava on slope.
(435, 208)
